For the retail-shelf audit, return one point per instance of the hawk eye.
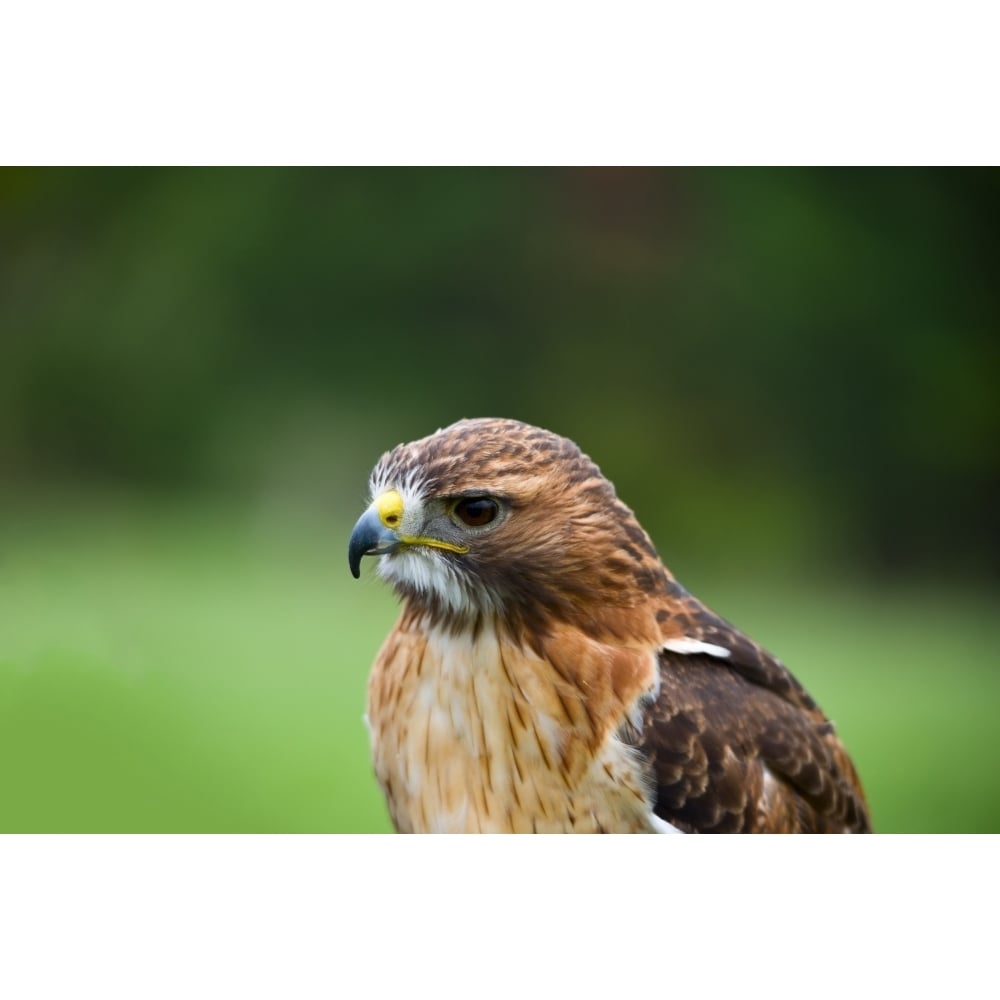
(476, 511)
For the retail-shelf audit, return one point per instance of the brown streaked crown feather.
(725, 743)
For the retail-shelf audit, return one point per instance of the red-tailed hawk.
(548, 673)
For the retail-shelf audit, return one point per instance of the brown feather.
(527, 687)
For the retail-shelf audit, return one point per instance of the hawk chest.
(475, 734)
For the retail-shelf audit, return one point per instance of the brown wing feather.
(737, 745)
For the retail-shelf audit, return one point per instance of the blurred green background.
(791, 376)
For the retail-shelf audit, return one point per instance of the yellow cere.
(390, 508)
(390, 511)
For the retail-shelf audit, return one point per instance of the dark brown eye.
(476, 511)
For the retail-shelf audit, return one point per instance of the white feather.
(661, 825)
(692, 646)
(428, 571)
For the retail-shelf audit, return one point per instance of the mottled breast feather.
(554, 675)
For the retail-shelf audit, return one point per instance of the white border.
(518, 83)
(304, 916)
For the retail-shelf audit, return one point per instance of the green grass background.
(195, 668)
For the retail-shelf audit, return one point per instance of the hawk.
(548, 673)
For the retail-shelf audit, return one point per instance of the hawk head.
(496, 518)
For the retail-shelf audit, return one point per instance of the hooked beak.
(370, 537)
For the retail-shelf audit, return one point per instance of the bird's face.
(497, 517)
(429, 541)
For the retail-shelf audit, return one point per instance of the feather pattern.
(548, 673)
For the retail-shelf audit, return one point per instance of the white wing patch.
(770, 785)
(691, 646)
(661, 825)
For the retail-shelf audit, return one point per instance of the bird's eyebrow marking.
(687, 645)
(475, 493)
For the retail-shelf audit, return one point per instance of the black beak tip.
(354, 555)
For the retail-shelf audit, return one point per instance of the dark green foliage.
(816, 350)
